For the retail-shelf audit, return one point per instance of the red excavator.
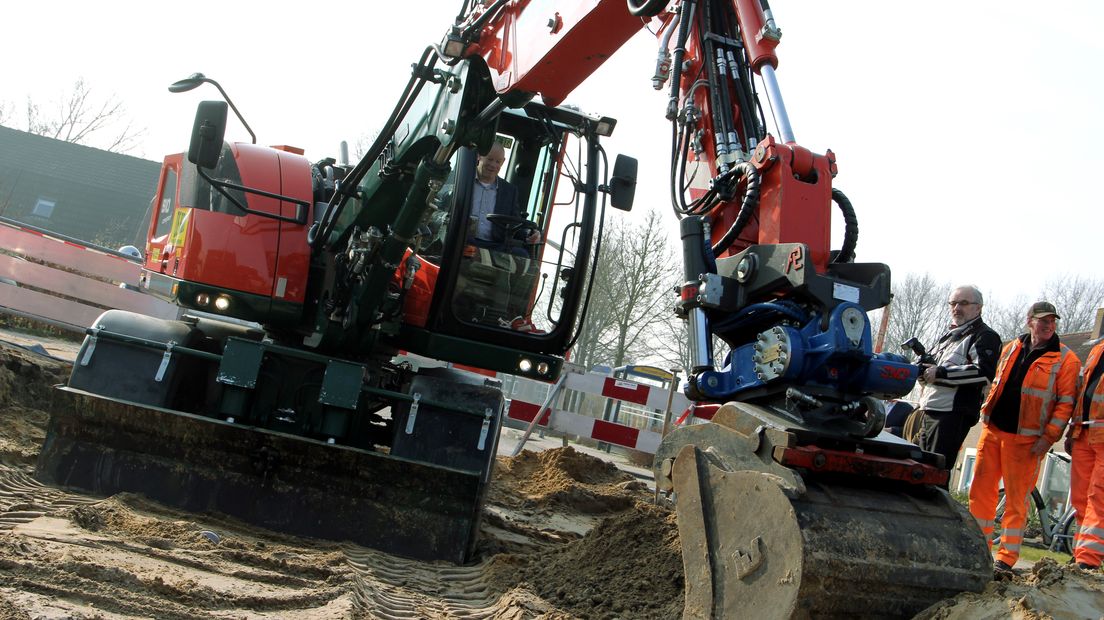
(277, 396)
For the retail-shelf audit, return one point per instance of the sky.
(967, 134)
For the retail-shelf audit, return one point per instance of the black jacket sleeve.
(983, 355)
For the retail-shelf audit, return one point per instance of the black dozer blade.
(279, 481)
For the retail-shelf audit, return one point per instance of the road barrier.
(61, 281)
(555, 419)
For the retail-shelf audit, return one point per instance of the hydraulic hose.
(318, 234)
(850, 228)
(750, 176)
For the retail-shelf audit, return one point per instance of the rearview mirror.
(207, 134)
(623, 183)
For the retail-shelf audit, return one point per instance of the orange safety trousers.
(1087, 496)
(1008, 456)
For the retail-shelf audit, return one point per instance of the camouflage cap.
(1040, 309)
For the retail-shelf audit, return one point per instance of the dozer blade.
(282, 482)
(761, 540)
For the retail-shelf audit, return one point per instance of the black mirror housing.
(207, 134)
(623, 183)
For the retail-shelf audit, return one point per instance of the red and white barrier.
(66, 283)
(623, 390)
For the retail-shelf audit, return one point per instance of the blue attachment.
(803, 355)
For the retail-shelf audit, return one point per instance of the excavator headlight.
(203, 300)
(605, 126)
(222, 303)
(453, 45)
(525, 365)
(542, 368)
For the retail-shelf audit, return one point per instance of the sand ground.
(566, 534)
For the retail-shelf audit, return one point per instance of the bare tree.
(81, 118)
(671, 343)
(1077, 299)
(631, 295)
(918, 309)
(1008, 319)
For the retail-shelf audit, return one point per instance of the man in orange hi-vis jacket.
(1026, 411)
(1085, 444)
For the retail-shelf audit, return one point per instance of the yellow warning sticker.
(181, 216)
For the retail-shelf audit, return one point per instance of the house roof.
(1081, 343)
(76, 190)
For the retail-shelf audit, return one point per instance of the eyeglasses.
(961, 303)
(1047, 319)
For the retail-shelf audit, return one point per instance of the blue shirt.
(483, 204)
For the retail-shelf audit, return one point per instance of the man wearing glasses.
(966, 361)
(1025, 412)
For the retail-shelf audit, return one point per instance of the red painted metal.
(760, 49)
(795, 209)
(417, 300)
(550, 47)
(614, 433)
(243, 252)
(521, 410)
(817, 459)
(159, 250)
(626, 390)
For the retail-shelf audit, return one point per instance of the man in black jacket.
(966, 359)
(492, 195)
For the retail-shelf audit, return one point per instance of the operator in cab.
(494, 195)
(965, 362)
(1025, 412)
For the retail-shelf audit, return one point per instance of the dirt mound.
(629, 566)
(26, 394)
(1046, 590)
(562, 478)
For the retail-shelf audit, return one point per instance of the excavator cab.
(510, 287)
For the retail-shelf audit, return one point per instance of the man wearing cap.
(965, 362)
(1085, 445)
(1027, 409)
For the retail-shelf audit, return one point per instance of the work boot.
(1084, 566)
(1001, 571)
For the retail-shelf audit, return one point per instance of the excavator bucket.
(785, 543)
(283, 482)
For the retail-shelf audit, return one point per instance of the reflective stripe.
(1012, 532)
(1031, 432)
(1092, 531)
(1048, 397)
(1087, 544)
(984, 523)
(1011, 547)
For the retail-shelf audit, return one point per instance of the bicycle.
(1057, 529)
